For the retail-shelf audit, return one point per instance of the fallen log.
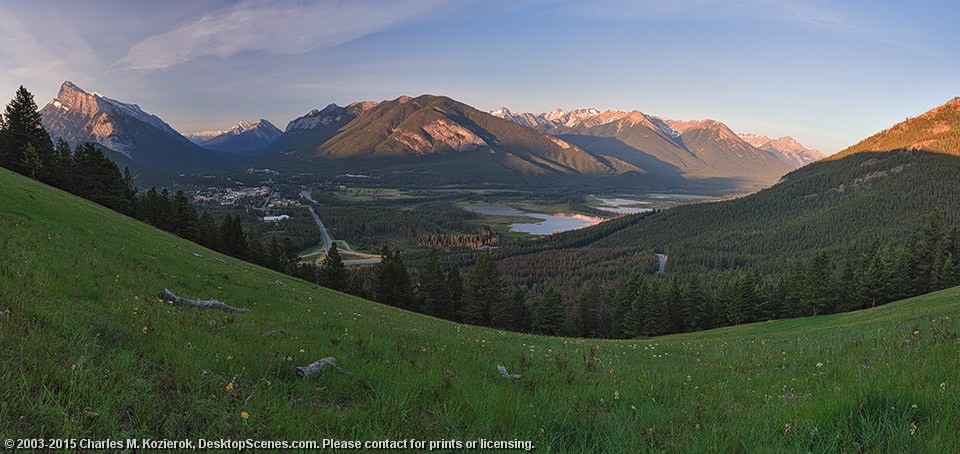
(505, 374)
(319, 366)
(167, 295)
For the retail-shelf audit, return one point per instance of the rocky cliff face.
(78, 116)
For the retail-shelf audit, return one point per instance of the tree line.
(85, 171)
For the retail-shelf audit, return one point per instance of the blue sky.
(826, 73)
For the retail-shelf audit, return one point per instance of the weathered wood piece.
(321, 365)
(507, 375)
(167, 295)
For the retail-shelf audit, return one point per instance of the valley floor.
(90, 352)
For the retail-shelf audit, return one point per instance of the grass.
(89, 351)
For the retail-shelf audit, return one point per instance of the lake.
(551, 223)
(623, 206)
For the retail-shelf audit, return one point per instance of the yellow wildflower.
(229, 386)
(244, 414)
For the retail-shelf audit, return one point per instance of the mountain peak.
(78, 116)
(244, 137)
(936, 130)
(70, 86)
(785, 148)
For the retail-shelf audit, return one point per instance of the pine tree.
(433, 286)
(184, 218)
(23, 126)
(485, 301)
(355, 286)
(63, 167)
(392, 284)
(233, 240)
(524, 322)
(209, 231)
(548, 315)
(702, 315)
(620, 310)
(928, 253)
(451, 310)
(31, 162)
(818, 295)
(333, 274)
(949, 273)
(589, 311)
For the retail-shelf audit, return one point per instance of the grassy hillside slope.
(89, 351)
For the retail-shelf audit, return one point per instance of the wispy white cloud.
(805, 11)
(286, 27)
(47, 56)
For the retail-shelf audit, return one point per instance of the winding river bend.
(551, 223)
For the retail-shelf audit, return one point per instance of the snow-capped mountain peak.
(77, 116)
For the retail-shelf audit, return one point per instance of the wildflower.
(229, 386)
(230, 358)
(913, 428)
(616, 395)
(73, 367)
(819, 365)
(633, 407)
(244, 414)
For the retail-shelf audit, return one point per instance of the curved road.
(327, 242)
(662, 258)
(368, 259)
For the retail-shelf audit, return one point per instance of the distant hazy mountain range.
(704, 148)
(446, 140)
(241, 139)
(877, 190)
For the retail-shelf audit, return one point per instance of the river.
(551, 223)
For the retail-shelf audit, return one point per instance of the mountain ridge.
(125, 129)
(937, 130)
(243, 138)
(688, 150)
(785, 149)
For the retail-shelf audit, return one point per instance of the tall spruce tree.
(392, 285)
(333, 273)
(549, 313)
(22, 126)
(485, 302)
(433, 286)
(451, 310)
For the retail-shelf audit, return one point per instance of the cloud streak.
(271, 27)
(43, 58)
(804, 11)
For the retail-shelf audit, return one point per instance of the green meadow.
(87, 350)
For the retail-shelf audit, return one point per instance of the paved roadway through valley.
(662, 258)
(327, 242)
